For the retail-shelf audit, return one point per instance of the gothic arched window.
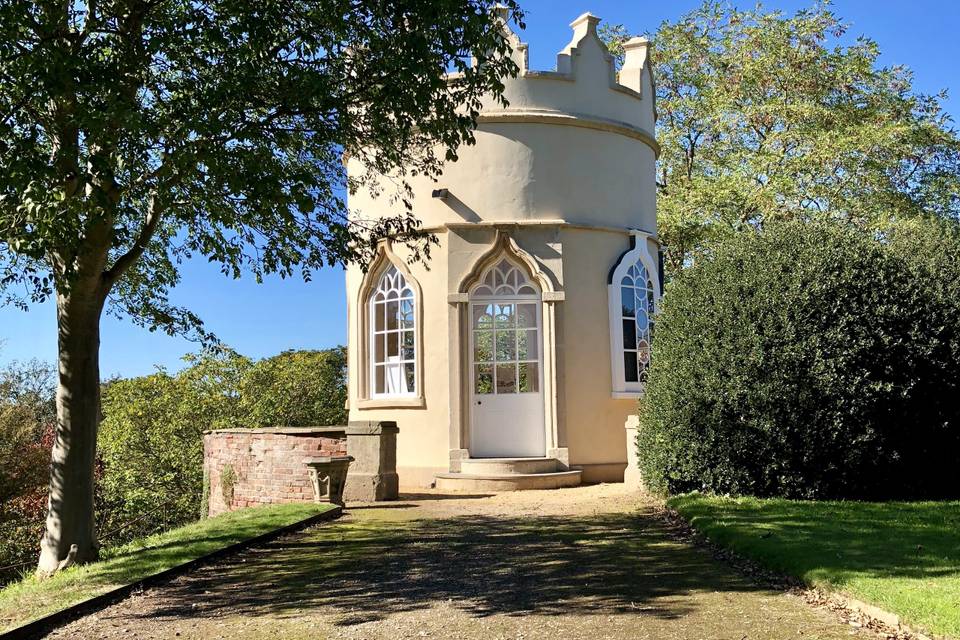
(634, 291)
(392, 326)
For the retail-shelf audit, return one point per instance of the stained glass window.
(636, 320)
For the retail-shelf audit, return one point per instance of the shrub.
(296, 389)
(27, 410)
(809, 361)
(151, 438)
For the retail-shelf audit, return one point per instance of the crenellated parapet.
(574, 145)
(585, 89)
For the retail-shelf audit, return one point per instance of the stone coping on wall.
(291, 431)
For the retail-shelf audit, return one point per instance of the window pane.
(379, 385)
(641, 319)
(527, 315)
(483, 380)
(409, 373)
(406, 314)
(629, 334)
(408, 350)
(506, 346)
(630, 366)
(627, 301)
(506, 378)
(643, 352)
(527, 348)
(529, 377)
(505, 315)
(393, 345)
(483, 316)
(379, 341)
(483, 346)
(378, 310)
(393, 315)
(395, 381)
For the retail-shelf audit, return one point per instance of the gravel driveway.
(590, 562)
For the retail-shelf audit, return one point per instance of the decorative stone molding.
(328, 475)
(582, 120)
(384, 259)
(505, 246)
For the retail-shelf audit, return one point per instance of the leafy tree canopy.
(135, 134)
(766, 116)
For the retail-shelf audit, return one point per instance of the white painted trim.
(364, 397)
(641, 252)
(477, 425)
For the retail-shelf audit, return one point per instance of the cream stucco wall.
(557, 179)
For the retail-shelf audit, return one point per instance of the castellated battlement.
(585, 85)
(574, 146)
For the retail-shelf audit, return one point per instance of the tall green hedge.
(810, 361)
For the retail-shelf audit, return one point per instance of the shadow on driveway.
(375, 563)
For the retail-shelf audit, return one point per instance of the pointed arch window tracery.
(634, 292)
(393, 345)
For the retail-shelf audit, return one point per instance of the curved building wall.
(564, 173)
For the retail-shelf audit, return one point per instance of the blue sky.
(261, 320)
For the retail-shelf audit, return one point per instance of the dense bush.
(295, 389)
(27, 411)
(151, 438)
(810, 361)
(151, 443)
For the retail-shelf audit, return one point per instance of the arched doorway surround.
(507, 286)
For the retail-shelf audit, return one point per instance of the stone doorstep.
(467, 482)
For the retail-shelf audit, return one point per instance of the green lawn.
(903, 557)
(31, 598)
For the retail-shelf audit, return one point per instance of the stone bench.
(329, 475)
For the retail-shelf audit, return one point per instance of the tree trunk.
(70, 507)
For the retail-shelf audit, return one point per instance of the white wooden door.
(506, 372)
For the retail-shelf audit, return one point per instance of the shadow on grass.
(834, 541)
(20, 602)
(366, 569)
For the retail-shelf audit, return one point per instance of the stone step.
(500, 466)
(482, 483)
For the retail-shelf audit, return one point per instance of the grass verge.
(903, 557)
(32, 598)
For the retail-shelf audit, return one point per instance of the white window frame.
(487, 292)
(639, 252)
(372, 335)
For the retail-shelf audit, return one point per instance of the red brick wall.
(268, 464)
